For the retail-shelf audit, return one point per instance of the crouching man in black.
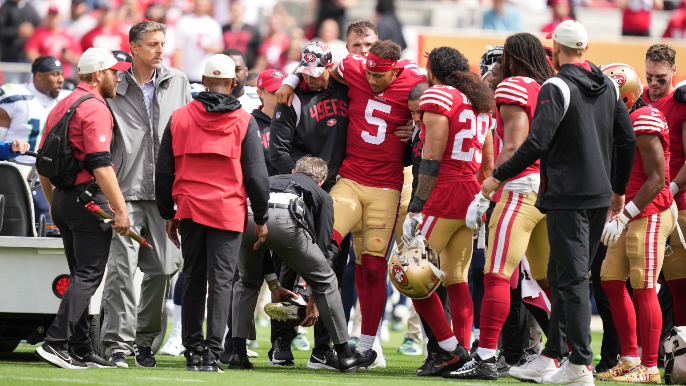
(300, 226)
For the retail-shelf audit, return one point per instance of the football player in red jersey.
(372, 172)
(457, 154)
(660, 70)
(516, 226)
(649, 218)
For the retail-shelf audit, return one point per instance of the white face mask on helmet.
(414, 268)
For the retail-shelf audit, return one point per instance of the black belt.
(278, 206)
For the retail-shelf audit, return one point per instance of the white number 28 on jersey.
(479, 128)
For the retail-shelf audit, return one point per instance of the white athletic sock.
(485, 353)
(652, 368)
(631, 359)
(477, 333)
(366, 343)
(449, 344)
(177, 316)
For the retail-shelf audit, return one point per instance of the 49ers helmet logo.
(619, 78)
(217, 72)
(310, 58)
(331, 122)
(277, 75)
(399, 275)
(371, 63)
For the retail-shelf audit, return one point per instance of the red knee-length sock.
(374, 278)
(359, 284)
(678, 287)
(637, 311)
(494, 310)
(623, 315)
(462, 312)
(651, 324)
(431, 309)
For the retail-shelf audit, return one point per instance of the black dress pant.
(574, 236)
(210, 257)
(86, 240)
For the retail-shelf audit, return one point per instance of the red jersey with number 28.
(456, 184)
(374, 154)
(648, 120)
(675, 114)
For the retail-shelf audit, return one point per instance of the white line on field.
(61, 380)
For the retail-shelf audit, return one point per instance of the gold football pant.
(516, 228)
(377, 208)
(453, 242)
(640, 251)
(674, 266)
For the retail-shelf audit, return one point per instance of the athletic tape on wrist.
(632, 209)
(270, 277)
(291, 80)
(674, 187)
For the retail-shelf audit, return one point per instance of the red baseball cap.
(270, 80)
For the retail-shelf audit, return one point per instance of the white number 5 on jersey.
(372, 120)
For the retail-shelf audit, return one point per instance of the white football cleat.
(535, 368)
(173, 347)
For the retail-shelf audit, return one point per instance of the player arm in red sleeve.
(486, 167)
(337, 74)
(437, 127)
(515, 131)
(680, 178)
(653, 157)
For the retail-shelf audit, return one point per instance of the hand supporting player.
(405, 132)
(285, 94)
(311, 314)
(476, 210)
(489, 187)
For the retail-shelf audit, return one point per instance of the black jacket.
(415, 155)
(263, 123)
(316, 124)
(254, 170)
(580, 117)
(319, 204)
(11, 17)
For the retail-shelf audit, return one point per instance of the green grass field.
(22, 368)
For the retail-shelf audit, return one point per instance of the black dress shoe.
(445, 361)
(193, 360)
(240, 362)
(209, 363)
(351, 363)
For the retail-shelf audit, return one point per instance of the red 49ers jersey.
(374, 154)
(648, 120)
(519, 91)
(456, 185)
(675, 114)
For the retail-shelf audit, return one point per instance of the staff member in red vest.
(85, 236)
(210, 161)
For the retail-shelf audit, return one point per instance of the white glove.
(674, 188)
(613, 230)
(409, 230)
(476, 210)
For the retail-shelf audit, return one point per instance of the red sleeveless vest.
(208, 187)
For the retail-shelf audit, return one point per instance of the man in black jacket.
(301, 243)
(267, 83)
(580, 119)
(17, 22)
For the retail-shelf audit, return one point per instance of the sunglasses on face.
(661, 82)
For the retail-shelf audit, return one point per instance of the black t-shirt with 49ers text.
(316, 124)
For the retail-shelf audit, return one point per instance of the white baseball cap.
(570, 33)
(220, 66)
(95, 59)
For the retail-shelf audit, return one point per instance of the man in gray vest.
(146, 97)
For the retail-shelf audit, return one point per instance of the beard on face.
(108, 86)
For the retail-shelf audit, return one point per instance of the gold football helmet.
(630, 86)
(414, 268)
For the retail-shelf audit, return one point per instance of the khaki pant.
(516, 228)
(674, 266)
(454, 243)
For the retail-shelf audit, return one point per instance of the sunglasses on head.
(661, 82)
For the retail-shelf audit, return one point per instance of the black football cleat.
(428, 362)
(93, 360)
(475, 369)
(445, 361)
(350, 364)
(239, 362)
(208, 362)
